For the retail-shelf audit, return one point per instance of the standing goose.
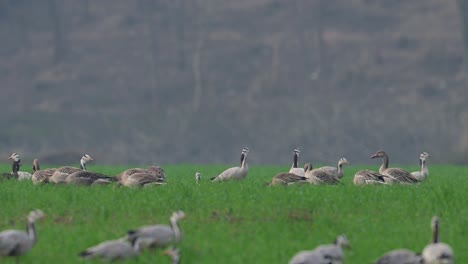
(198, 177)
(286, 178)
(363, 177)
(174, 253)
(338, 170)
(60, 175)
(395, 175)
(237, 173)
(294, 168)
(437, 252)
(158, 235)
(318, 176)
(41, 176)
(400, 256)
(324, 254)
(20, 175)
(113, 250)
(424, 172)
(14, 243)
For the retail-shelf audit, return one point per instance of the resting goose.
(324, 254)
(41, 176)
(400, 256)
(294, 168)
(317, 176)
(236, 173)
(363, 177)
(88, 178)
(338, 170)
(20, 175)
(60, 175)
(113, 250)
(437, 252)
(158, 235)
(14, 243)
(395, 175)
(286, 178)
(140, 177)
(424, 172)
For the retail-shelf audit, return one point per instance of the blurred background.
(194, 81)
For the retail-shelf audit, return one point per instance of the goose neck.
(295, 160)
(435, 233)
(176, 229)
(31, 230)
(243, 160)
(384, 165)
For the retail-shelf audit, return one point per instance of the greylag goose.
(198, 177)
(20, 175)
(142, 177)
(41, 176)
(174, 253)
(294, 168)
(400, 256)
(317, 176)
(424, 172)
(437, 252)
(330, 253)
(88, 178)
(363, 177)
(286, 178)
(113, 250)
(158, 235)
(236, 173)
(338, 170)
(395, 175)
(14, 243)
(60, 175)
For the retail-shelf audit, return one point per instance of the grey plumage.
(400, 256)
(158, 235)
(437, 252)
(318, 177)
(422, 174)
(323, 254)
(112, 250)
(363, 177)
(394, 175)
(41, 176)
(17, 242)
(286, 178)
(137, 177)
(87, 178)
(60, 175)
(236, 173)
(337, 171)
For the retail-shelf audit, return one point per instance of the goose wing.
(152, 236)
(287, 178)
(400, 175)
(227, 174)
(323, 177)
(140, 179)
(400, 256)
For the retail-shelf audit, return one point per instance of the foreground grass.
(242, 222)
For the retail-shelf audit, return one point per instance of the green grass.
(242, 222)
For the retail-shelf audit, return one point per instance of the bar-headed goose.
(294, 168)
(424, 172)
(14, 243)
(60, 175)
(113, 250)
(159, 235)
(363, 177)
(20, 175)
(338, 170)
(198, 177)
(318, 176)
(400, 256)
(395, 175)
(236, 173)
(437, 252)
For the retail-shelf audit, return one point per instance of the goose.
(14, 243)
(41, 176)
(437, 252)
(330, 253)
(424, 172)
(158, 235)
(174, 253)
(400, 256)
(112, 250)
(88, 178)
(198, 177)
(395, 175)
(237, 173)
(60, 175)
(338, 170)
(294, 168)
(152, 174)
(368, 177)
(286, 178)
(309, 257)
(20, 175)
(14, 168)
(317, 176)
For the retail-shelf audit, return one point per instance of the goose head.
(14, 157)
(342, 241)
(297, 151)
(424, 156)
(176, 216)
(198, 176)
(343, 161)
(35, 215)
(85, 159)
(307, 167)
(379, 154)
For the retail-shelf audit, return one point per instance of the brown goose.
(294, 168)
(437, 252)
(60, 175)
(236, 173)
(395, 175)
(317, 176)
(368, 177)
(137, 177)
(41, 176)
(286, 178)
(338, 170)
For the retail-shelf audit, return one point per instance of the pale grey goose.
(363, 177)
(294, 168)
(329, 253)
(318, 177)
(159, 235)
(112, 250)
(14, 243)
(422, 174)
(338, 170)
(437, 252)
(400, 256)
(395, 175)
(236, 173)
(60, 175)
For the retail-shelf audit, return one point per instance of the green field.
(246, 221)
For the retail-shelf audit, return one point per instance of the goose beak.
(374, 156)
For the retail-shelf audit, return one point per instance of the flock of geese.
(16, 243)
